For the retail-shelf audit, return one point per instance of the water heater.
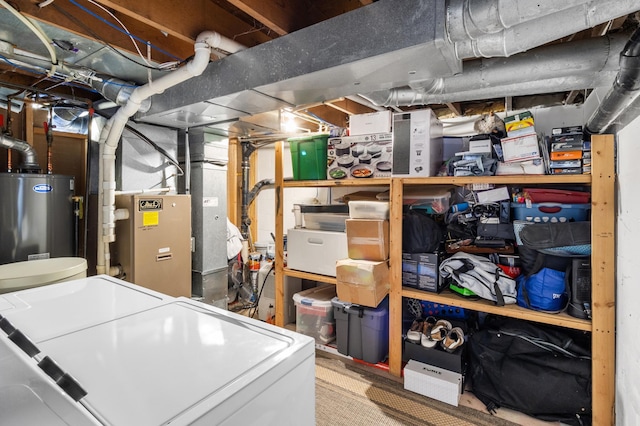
(36, 216)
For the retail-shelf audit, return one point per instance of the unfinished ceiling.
(399, 54)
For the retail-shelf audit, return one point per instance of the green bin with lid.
(309, 157)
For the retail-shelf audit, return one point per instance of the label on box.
(566, 130)
(358, 157)
(520, 148)
(566, 155)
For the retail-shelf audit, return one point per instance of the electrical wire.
(156, 147)
(120, 29)
(35, 28)
(106, 44)
(124, 27)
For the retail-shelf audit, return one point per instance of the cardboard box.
(519, 124)
(417, 143)
(357, 157)
(421, 271)
(368, 239)
(433, 382)
(529, 167)
(373, 122)
(363, 282)
(520, 148)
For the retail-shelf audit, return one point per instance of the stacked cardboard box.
(363, 278)
(566, 150)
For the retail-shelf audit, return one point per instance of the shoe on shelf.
(453, 340)
(428, 324)
(415, 331)
(439, 330)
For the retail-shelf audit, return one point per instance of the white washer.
(144, 358)
(35, 273)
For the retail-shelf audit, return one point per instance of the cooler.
(121, 354)
(362, 332)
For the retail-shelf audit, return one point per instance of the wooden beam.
(186, 20)
(456, 108)
(281, 17)
(571, 96)
(286, 17)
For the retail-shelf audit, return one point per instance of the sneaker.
(453, 340)
(415, 332)
(440, 330)
(426, 332)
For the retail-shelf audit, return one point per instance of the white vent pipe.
(560, 67)
(498, 28)
(111, 133)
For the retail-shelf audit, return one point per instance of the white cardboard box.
(434, 382)
(520, 148)
(373, 122)
(315, 251)
(417, 143)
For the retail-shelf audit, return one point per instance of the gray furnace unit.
(208, 188)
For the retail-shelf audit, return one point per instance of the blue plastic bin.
(362, 332)
(551, 212)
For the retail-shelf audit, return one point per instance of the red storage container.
(545, 195)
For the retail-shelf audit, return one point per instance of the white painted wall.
(628, 278)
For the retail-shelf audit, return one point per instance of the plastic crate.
(314, 313)
(309, 157)
(362, 332)
(550, 212)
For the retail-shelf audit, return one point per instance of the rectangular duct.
(383, 45)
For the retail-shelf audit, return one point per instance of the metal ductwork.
(414, 42)
(29, 158)
(624, 93)
(555, 68)
(494, 28)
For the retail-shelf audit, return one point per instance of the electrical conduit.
(111, 133)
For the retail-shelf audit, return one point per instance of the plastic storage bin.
(335, 222)
(551, 212)
(309, 157)
(369, 210)
(314, 313)
(362, 332)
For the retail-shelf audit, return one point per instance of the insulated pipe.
(566, 66)
(472, 19)
(538, 31)
(625, 89)
(112, 132)
(29, 160)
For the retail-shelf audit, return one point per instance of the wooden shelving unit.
(602, 326)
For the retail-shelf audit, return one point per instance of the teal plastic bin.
(309, 157)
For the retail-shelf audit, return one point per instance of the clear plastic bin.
(325, 221)
(314, 313)
(368, 210)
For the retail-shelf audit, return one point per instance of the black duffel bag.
(540, 371)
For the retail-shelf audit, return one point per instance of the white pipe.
(111, 133)
(35, 28)
(145, 191)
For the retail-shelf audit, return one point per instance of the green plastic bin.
(309, 157)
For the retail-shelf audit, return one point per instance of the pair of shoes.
(415, 331)
(427, 326)
(453, 340)
(440, 330)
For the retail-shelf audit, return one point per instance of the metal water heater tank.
(36, 216)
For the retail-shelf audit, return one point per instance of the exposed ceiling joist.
(456, 108)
